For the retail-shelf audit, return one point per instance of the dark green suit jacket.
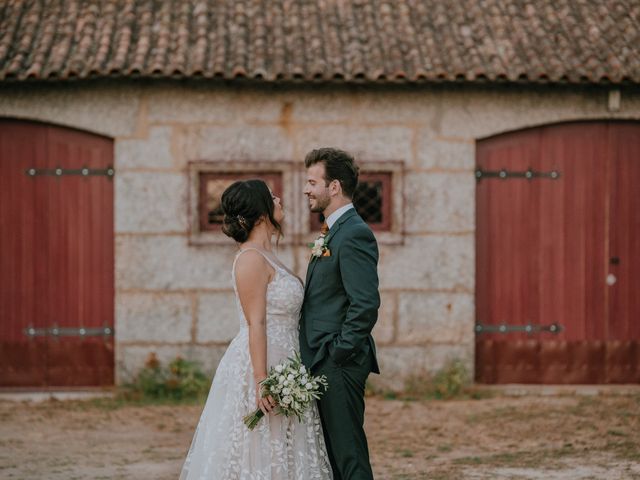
(341, 297)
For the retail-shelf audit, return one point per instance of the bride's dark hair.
(244, 202)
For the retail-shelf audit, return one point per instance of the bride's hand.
(266, 404)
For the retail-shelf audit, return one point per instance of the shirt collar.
(333, 218)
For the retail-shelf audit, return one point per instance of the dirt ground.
(529, 437)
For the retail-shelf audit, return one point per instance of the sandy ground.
(530, 437)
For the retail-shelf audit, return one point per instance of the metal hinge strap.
(109, 172)
(528, 328)
(69, 332)
(505, 174)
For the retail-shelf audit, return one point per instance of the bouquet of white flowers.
(292, 387)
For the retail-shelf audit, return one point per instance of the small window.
(372, 201)
(213, 184)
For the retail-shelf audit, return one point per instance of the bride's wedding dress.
(279, 448)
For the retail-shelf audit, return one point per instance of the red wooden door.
(56, 257)
(623, 252)
(545, 310)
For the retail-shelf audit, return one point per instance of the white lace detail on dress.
(279, 448)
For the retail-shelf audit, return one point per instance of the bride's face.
(278, 211)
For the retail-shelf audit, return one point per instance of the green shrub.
(450, 381)
(180, 380)
(453, 381)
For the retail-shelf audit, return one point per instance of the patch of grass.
(122, 399)
(584, 405)
(445, 384)
(478, 393)
(176, 392)
(412, 476)
(443, 475)
(625, 449)
(370, 390)
(523, 458)
(451, 382)
(406, 453)
(469, 460)
(514, 413)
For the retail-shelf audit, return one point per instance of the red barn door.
(56, 257)
(557, 255)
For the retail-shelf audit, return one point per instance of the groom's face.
(316, 188)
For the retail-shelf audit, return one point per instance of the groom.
(340, 308)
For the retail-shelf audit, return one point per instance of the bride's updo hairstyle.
(244, 203)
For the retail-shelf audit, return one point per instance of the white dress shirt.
(333, 218)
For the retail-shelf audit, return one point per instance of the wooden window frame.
(297, 225)
(203, 214)
(199, 169)
(386, 178)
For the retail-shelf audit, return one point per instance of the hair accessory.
(242, 221)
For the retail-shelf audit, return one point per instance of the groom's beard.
(321, 203)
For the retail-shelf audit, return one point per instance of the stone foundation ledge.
(521, 390)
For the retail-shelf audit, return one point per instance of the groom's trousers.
(342, 413)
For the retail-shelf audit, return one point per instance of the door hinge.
(109, 172)
(505, 174)
(527, 328)
(69, 332)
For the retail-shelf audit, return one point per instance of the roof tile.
(576, 41)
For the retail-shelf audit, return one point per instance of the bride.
(268, 299)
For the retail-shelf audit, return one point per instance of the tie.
(324, 229)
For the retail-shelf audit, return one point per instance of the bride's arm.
(253, 274)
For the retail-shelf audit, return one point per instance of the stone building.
(193, 94)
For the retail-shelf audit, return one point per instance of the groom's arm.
(358, 260)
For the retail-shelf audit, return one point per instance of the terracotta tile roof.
(574, 41)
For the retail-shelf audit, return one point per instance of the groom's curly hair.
(338, 165)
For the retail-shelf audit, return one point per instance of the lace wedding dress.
(279, 448)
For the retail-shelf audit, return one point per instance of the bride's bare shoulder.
(251, 263)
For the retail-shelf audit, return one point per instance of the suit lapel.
(336, 226)
(310, 268)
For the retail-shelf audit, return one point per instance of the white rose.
(287, 400)
(286, 391)
(281, 379)
(303, 369)
(316, 251)
(319, 242)
(279, 368)
(290, 377)
(286, 382)
(308, 386)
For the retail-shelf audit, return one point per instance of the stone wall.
(174, 297)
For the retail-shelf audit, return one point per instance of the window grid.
(372, 201)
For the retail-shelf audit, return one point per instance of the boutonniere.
(319, 247)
